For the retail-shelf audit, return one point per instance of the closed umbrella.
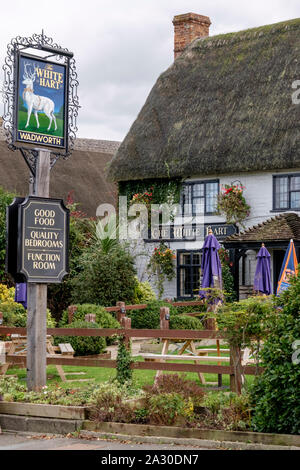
(211, 273)
(262, 278)
(211, 269)
(21, 293)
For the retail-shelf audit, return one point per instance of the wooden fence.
(235, 370)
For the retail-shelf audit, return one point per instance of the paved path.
(26, 441)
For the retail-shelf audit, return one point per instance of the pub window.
(188, 273)
(200, 197)
(286, 192)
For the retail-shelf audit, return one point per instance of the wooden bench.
(183, 357)
(64, 350)
(18, 347)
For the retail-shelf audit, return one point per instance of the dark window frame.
(204, 182)
(289, 176)
(189, 266)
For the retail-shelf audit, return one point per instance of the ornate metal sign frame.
(63, 56)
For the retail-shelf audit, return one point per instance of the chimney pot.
(188, 27)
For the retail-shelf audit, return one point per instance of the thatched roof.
(84, 173)
(283, 227)
(225, 105)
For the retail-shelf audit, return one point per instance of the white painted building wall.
(259, 195)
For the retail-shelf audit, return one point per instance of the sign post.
(40, 112)
(37, 297)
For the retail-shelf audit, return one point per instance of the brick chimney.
(188, 27)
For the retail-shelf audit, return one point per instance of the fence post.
(122, 311)
(71, 310)
(124, 321)
(164, 318)
(236, 379)
(90, 317)
(126, 324)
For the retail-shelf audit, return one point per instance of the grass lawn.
(101, 374)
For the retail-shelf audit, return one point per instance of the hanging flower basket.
(232, 204)
(161, 265)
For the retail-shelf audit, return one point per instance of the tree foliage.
(5, 199)
(276, 392)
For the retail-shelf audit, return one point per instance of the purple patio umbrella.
(262, 278)
(21, 293)
(211, 269)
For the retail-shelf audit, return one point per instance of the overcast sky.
(122, 46)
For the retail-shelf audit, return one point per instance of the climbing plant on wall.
(163, 191)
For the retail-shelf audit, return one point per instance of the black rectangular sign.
(190, 232)
(12, 239)
(43, 235)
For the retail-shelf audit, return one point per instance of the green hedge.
(150, 317)
(103, 318)
(183, 322)
(83, 345)
(14, 314)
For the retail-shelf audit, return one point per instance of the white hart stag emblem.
(34, 102)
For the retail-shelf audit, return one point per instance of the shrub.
(5, 199)
(59, 295)
(83, 345)
(275, 394)
(183, 322)
(228, 410)
(108, 403)
(103, 318)
(14, 314)
(12, 390)
(247, 321)
(150, 316)
(168, 383)
(192, 308)
(104, 278)
(166, 408)
(143, 292)
(6, 293)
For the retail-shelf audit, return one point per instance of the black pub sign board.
(42, 240)
(190, 233)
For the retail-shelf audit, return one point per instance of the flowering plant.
(232, 204)
(72, 206)
(7, 294)
(142, 198)
(145, 198)
(161, 265)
